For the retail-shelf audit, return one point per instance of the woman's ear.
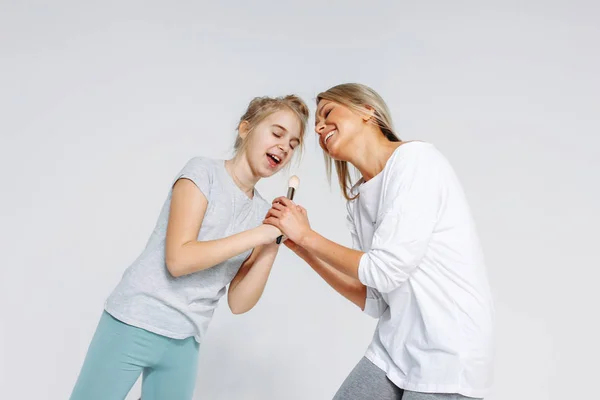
(368, 113)
(244, 129)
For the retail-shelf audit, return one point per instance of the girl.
(416, 263)
(209, 234)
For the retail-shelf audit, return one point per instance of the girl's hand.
(290, 218)
(268, 233)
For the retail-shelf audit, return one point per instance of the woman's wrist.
(307, 239)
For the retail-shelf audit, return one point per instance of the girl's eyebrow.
(285, 130)
(280, 127)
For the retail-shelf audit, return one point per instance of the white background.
(102, 103)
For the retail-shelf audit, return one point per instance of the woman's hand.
(290, 218)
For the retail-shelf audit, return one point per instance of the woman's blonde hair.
(356, 97)
(261, 107)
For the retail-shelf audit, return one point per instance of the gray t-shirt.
(149, 297)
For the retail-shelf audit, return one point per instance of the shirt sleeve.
(375, 305)
(198, 170)
(408, 214)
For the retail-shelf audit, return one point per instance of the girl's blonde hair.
(356, 97)
(261, 107)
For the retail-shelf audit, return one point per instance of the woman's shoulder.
(414, 147)
(415, 156)
(416, 165)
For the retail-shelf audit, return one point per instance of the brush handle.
(290, 195)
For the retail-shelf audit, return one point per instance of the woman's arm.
(369, 299)
(248, 284)
(342, 258)
(350, 288)
(184, 253)
(412, 201)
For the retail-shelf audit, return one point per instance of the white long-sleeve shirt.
(425, 275)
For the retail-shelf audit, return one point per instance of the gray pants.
(368, 382)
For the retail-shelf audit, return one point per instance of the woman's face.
(338, 127)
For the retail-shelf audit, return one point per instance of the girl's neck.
(241, 173)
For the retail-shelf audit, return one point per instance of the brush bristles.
(294, 182)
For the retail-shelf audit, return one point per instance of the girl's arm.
(248, 284)
(184, 253)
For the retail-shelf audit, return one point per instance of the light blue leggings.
(119, 353)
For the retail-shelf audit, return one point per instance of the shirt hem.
(423, 387)
(138, 324)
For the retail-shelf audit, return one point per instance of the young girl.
(416, 263)
(209, 234)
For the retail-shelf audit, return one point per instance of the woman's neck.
(373, 156)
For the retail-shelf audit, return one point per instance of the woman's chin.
(335, 154)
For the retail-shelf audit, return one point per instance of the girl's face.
(338, 127)
(272, 143)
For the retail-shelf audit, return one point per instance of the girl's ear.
(244, 129)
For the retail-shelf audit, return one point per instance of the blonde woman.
(416, 262)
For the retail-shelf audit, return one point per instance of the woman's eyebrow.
(319, 111)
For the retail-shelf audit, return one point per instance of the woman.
(416, 262)
(209, 234)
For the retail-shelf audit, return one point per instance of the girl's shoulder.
(203, 162)
(203, 171)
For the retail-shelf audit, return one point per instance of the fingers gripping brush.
(292, 187)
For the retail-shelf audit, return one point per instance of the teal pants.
(119, 353)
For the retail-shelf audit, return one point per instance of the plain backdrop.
(102, 103)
